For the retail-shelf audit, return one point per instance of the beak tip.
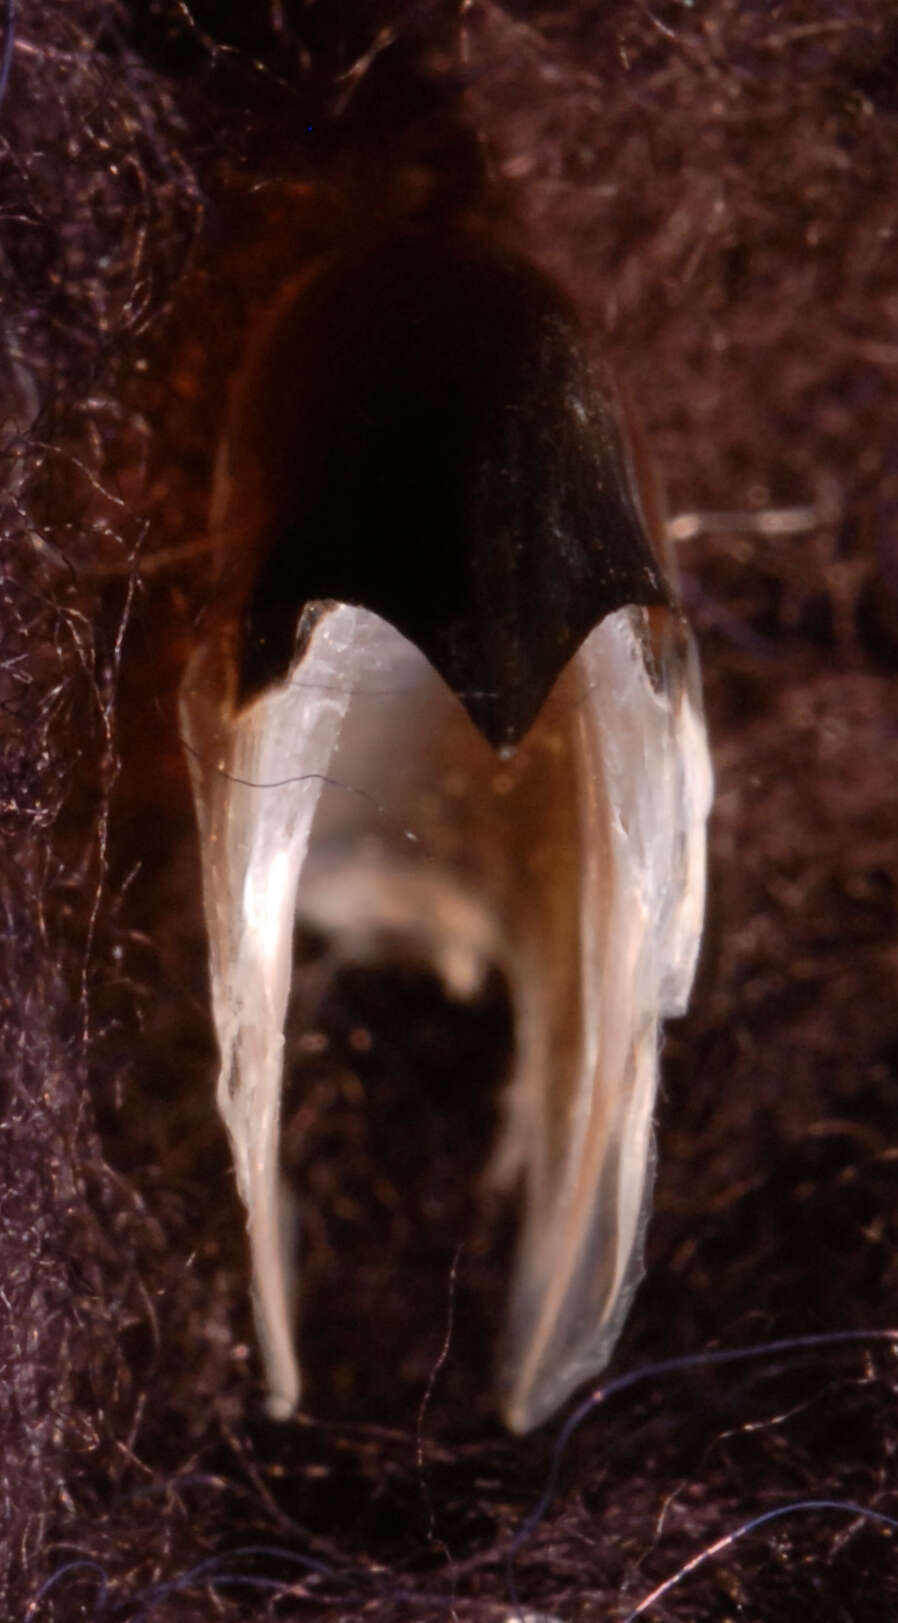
(279, 1407)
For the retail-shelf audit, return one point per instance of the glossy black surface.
(449, 465)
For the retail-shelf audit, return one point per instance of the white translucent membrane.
(359, 796)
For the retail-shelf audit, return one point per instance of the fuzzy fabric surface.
(715, 185)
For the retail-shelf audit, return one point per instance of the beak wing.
(258, 776)
(582, 1133)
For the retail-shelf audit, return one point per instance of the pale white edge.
(257, 779)
(646, 792)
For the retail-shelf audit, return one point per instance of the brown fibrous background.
(715, 186)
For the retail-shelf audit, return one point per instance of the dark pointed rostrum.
(448, 464)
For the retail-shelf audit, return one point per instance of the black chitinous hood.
(424, 411)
